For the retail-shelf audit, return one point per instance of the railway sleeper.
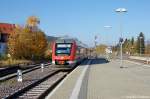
(41, 89)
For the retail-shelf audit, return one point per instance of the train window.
(63, 49)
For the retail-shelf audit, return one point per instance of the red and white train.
(67, 52)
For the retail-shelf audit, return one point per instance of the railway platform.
(100, 79)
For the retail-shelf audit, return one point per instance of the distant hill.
(51, 38)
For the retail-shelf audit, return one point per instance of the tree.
(100, 49)
(140, 46)
(127, 46)
(133, 46)
(115, 48)
(32, 23)
(24, 43)
(132, 41)
(147, 49)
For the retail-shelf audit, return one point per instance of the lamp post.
(141, 45)
(120, 11)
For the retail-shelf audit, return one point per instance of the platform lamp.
(121, 11)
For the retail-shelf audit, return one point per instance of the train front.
(64, 53)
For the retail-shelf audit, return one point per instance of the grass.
(10, 62)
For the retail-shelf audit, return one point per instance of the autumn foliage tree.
(25, 43)
(100, 49)
(33, 21)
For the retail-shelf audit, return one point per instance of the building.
(5, 30)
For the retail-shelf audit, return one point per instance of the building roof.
(6, 28)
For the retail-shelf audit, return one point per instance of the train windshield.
(63, 49)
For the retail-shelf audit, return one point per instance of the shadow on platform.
(99, 61)
(95, 61)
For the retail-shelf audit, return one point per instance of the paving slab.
(109, 81)
(106, 80)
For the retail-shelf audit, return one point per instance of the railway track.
(14, 72)
(12, 69)
(39, 81)
(41, 88)
(10, 86)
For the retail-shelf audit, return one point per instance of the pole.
(121, 55)
(95, 45)
(140, 46)
(121, 41)
(121, 11)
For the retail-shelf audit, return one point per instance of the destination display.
(63, 45)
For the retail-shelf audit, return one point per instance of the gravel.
(12, 85)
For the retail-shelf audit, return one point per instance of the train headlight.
(62, 58)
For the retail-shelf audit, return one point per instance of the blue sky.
(82, 19)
